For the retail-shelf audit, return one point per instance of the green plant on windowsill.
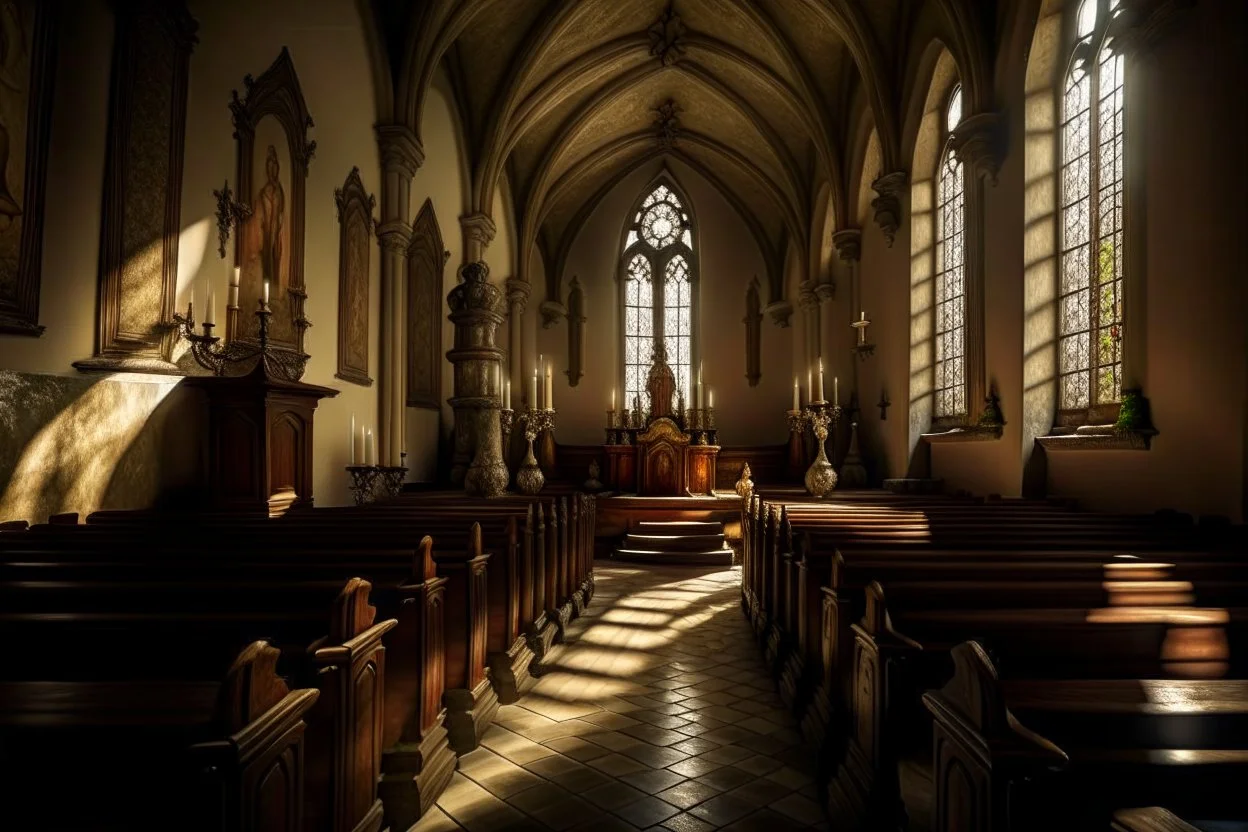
(1133, 413)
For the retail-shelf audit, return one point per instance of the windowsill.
(965, 433)
(1096, 438)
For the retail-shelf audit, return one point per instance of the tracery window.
(659, 246)
(949, 388)
(1092, 184)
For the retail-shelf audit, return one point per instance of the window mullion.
(1094, 220)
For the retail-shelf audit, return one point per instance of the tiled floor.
(659, 715)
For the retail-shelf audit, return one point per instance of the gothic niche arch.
(426, 259)
(355, 237)
(660, 246)
(271, 123)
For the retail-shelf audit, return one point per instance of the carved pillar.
(517, 302)
(479, 232)
(475, 311)
(401, 157)
(977, 144)
(823, 319)
(809, 304)
(887, 206)
(848, 245)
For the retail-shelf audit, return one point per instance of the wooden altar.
(667, 451)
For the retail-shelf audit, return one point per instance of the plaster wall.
(729, 259)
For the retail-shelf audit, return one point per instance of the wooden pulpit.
(259, 441)
(662, 449)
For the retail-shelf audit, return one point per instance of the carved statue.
(745, 485)
(271, 207)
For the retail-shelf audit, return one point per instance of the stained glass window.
(950, 324)
(659, 242)
(1092, 176)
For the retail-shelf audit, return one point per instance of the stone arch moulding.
(355, 238)
(22, 238)
(576, 332)
(426, 261)
(270, 245)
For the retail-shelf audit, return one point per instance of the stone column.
(848, 245)
(517, 301)
(976, 142)
(401, 157)
(479, 232)
(808, 302)
(476, 313)
(890, 188)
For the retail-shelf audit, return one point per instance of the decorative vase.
(821, 476)
(529, 479)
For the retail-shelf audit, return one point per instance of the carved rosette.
(978, 143)
(887, 205)
(475, 311)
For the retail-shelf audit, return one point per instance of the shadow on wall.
(87, 443)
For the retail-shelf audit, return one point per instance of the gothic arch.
(426, 260)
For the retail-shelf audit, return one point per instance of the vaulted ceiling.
(566, 97)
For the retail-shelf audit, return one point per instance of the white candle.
(797, 398)
(507, 395)
(369, 453)
(710, 400)
(357, 444)
(533, 393)
(810, 386)
(701, 393)
(352, 440)
(266, 292)
(862, 316)
(238, 273)
(699, 372)
(612, 399)
(210, 312)
(819, 390)
(836, 389)
(550, 387)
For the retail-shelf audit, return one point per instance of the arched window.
(658, 246)
(949, 386)
(1092, 223)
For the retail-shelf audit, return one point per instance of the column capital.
(401, 150)
(518, 292)
(478, 228)
(475, 295)
(848, 244)
(977, 142)
(806, 297)
(1139, 25)
(887, 205)
(780, 312)
(824, 292)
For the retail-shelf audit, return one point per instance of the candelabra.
(821, 476)
(207, 350)
(363, 481)
(529, 479)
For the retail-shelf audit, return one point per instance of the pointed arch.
(426, 259)
(659, 284)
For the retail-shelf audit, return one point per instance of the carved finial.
(667, 37)
(887, 205)
(745, 485)
(424, 567)
(667, 123)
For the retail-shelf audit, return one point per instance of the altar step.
(685, 542)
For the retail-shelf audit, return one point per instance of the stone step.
(657, 527)
(674, 542)
(714, 557)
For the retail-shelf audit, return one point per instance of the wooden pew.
(417, 762)
(81, 642)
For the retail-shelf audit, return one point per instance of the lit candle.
(507, 395)
(357, 444)
(819, 390)
(862, 316)
(810, 386)
(612, 399)
(836, 389)
(370, 450)
(234, 278)
(710, 400)
(550, 387)
(210, 316)
(797, 397)
(352, 439)
(533, 393)
(266, 293)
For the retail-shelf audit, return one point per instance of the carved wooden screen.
(425, 261)
(143, 187)
(355, 243)
(29, 30)
(271, 122)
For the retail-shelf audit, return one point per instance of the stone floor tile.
(654, 735)
(688, 794)
(759, 765)
(725, 778)
(617, 764)
(801, 809)
(764, 820)
(695, 767)
(657, 719)
(687, 823)
(530, 801)
(606, 823)
(577, 748)
(614, 795)
(727, 754)
(722, 810)
(610, 721)
(614, 740)
(655, 756)
(652, 780)
(647, 812)
(435, 820)
(694, 745)
(761, 792)
(791, 777)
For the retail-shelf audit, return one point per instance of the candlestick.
(797, 396)
(352, 439)
(819, 389)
